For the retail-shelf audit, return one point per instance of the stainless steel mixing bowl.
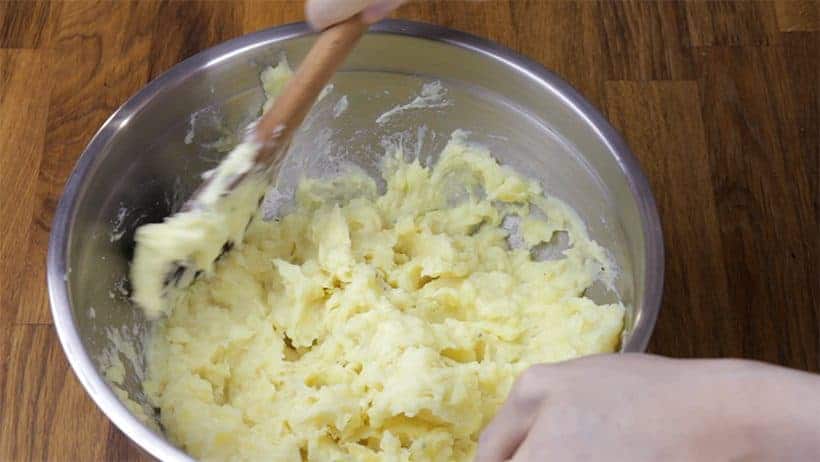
(139, 167)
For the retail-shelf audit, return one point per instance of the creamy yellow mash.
(170, 255)
(368, 325)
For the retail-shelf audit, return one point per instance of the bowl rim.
(57, 260)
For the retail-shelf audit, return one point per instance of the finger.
(510, 426)
(379, 10)
(321, 14)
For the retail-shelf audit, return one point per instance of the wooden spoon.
(170, 255)
(278, 125)
(275, 129)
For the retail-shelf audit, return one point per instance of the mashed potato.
(368, 325)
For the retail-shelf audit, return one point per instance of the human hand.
(324, 13)
(641, 408)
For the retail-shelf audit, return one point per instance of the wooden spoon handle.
(276, 126)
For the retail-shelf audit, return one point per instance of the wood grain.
(200, 25)
(25, 24)
(663, 122)
(48, 412)
(23, 83)
(798, 15)
(726, 23)
(719, 100)
(760, 176)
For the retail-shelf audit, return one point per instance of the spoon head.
(171, 255)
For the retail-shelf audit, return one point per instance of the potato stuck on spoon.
(170, 255)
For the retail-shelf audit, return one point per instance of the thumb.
(508, 429)
(500, 439)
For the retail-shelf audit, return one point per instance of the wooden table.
(718, 100)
